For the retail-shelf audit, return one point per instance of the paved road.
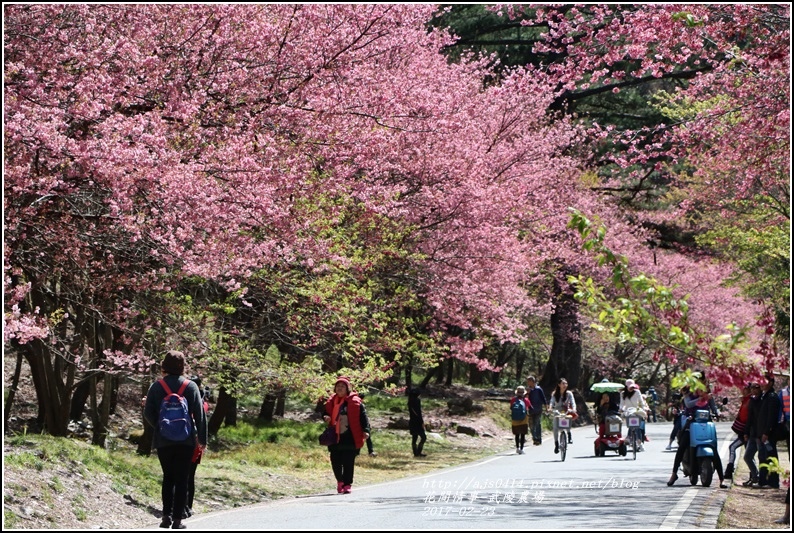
(508, 491)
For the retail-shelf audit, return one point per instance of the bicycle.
(564, 426)
(634, 435)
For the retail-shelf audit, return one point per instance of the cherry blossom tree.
(151, 143)
(722, 153)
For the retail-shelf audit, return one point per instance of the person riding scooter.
(695, 402)
(609, 426)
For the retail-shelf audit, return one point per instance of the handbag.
(328, 437)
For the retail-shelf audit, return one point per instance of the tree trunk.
(225, 412)
(268, 406)
(565, 359)
(79, 398)
(281, 401)
(475, 375)
(145, 444)
(13, 388)
(521, 356)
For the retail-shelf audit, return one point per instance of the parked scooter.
(698, 459)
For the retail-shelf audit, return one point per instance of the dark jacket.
(151, 412)
(753, 409)
(768, 414)
(538, 399)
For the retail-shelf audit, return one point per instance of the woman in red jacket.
(739, 427)
(345, 412)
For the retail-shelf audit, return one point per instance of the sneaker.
(783, 520)
(347, 489)
(339, 486)
(646, 439)
(570, 440)
(178, 525)
(535, 443)
(669, 447)
(521, 451)
(166, 523)
(518, 451)
(750, 482)
(729, 471)
(373, 454)
(556, 447)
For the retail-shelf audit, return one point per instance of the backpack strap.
(183, 387)
(181, 390)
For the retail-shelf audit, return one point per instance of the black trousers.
(175, 462)
(418, 439)
(343, 463)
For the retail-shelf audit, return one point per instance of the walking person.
(519, 414)
(751, 444)
(416, 423)
(345, 412)
(739, 427)
(370, 447)
(537, 398)
(767, 431)
(198, 451)
(677, 410)
(175, 454)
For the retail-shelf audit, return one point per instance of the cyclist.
(562, 401)
(631, 399)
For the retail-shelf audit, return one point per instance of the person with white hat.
(631, 399)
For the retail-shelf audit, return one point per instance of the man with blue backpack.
(175, 410)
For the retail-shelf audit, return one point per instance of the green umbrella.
(606, 386)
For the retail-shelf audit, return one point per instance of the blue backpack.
(519, 410)
(175, 422)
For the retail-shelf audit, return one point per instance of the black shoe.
(178, 525)
(729, 471)
(672, 480)
(556, 447)
(166, 523)
(750, 482)
(570, 440)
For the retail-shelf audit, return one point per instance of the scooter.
(698, 459)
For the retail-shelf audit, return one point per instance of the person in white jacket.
(631, 400)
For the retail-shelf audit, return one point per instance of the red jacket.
(353, 416)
